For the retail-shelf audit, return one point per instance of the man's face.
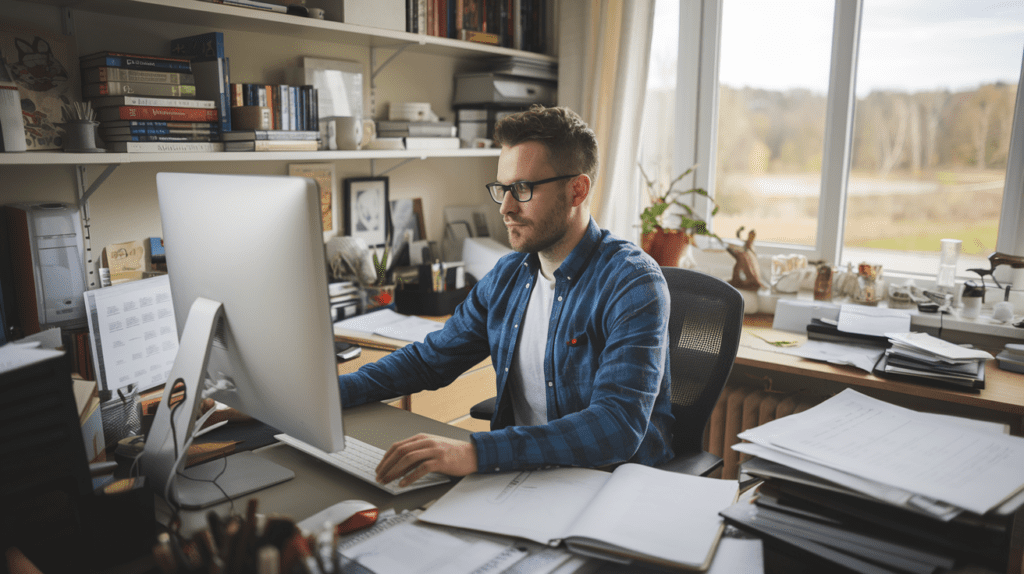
(537, 224)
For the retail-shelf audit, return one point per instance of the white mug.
(352, 132)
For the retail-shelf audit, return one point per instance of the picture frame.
(325, 176)
(367, 213)
(44, 65)
(407, 224)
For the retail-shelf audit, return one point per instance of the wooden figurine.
(746, 274)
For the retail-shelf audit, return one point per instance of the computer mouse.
(346, 516)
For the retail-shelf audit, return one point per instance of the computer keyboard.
(360, 460)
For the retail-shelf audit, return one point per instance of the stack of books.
(148, 104)
(420, 135)
(271, 140)
(1011, 358)
(872, 487)
(930, 360)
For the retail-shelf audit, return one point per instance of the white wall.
(125, 207)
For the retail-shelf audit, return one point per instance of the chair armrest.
(699, 463)
(484, 410)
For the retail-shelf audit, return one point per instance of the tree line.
(770, 131)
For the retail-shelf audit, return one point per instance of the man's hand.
(415, 456)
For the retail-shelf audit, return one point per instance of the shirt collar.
(578, 257)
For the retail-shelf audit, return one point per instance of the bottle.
(949, 252)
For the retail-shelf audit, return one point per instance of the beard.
(536, 235)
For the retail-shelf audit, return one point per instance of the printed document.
(134, 336)
(899, 447)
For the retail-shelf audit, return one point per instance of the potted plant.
(666, 242)
(381, 293)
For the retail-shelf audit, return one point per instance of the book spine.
(161, 125)
(126, 88)
(113, 101)
(225, 96)
(255, 4)
(237, 96)
(138, 63)
(157, 138)
(293, 107)
(175, 114)
(108, 74)
(156, 131)
(129, 147)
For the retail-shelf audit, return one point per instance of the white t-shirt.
(528, 387)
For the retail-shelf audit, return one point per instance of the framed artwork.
(366, 209)
(407, 224)
(44, 65)
(325, 176)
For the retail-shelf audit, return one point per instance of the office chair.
(704, 335)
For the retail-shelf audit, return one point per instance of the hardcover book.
(156, 113)
(143, 131)
(158, 124)
(252, 135)
(135, 88)
(135, 62)
(272, 145)
(108, 74)
(112, 101)
(164, 147)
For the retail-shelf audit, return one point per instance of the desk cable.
(178, 457)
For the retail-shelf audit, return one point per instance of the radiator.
(742, 407)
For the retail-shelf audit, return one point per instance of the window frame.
(700, 30)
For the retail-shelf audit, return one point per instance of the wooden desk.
(1001, 400)
(318, 485)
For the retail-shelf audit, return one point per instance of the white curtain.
(603, 53)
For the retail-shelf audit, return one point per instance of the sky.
(905, 45)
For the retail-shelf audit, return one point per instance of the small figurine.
(746, 274)
(823, 283)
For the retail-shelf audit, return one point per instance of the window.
(860, 130)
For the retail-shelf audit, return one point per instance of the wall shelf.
(61, 158)
(223, 17)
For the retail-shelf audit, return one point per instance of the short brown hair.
(571, 145)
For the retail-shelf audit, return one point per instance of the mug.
(350, 132)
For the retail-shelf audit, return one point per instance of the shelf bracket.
(373, 166)
(375, 70)
(83, 195)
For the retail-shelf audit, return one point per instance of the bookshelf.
(260, 45)
(234, 18)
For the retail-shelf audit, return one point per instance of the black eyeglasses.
(522, 191)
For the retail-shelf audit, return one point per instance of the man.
(576, 324)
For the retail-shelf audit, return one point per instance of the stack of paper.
(932, 360)
(880, 488)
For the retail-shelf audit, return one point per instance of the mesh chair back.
(704, 334)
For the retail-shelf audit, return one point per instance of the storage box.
(489, 88)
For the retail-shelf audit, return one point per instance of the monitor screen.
(255, 245)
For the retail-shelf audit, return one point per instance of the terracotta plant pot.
(666, 246)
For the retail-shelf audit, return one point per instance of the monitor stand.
(163, 459)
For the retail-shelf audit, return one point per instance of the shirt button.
(550, 384)
(559, 298)
(496, 469)
(527, 285)
(516, 327)
(506, 369)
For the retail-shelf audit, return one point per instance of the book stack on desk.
(872, 487)
(927, 359)
(148, 103)
(271, 140)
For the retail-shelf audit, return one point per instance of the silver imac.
(245, 258)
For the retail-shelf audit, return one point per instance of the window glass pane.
(936, 85)
(657, 130)
(773, 82)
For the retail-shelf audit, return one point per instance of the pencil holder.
(80, 136)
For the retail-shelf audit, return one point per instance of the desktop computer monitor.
(245, 258)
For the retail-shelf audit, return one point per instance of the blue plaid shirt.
(606, 365)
